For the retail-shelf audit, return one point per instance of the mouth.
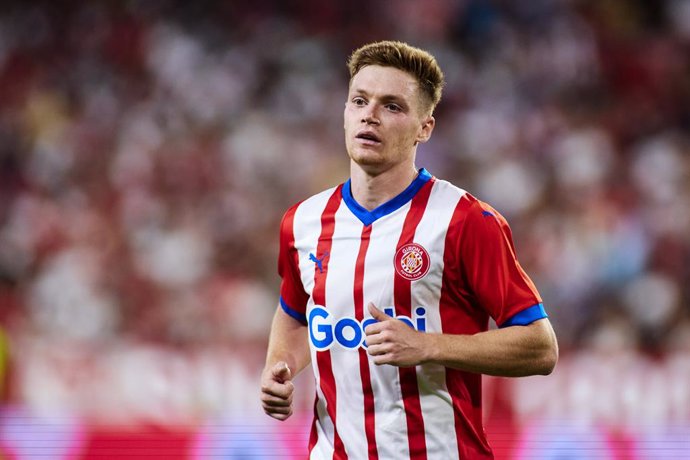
(368, 137)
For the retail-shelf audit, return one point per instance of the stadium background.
(149, 148)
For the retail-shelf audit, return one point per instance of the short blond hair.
(415, 61)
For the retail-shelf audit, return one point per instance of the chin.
(368, 161)
(367, 158)
(372, 168)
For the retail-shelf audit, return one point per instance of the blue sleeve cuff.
(294, 313)
(526, 316)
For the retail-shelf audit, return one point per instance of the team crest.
(412, 262)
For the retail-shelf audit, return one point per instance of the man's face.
(384, 118)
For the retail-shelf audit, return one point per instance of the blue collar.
(368, 217)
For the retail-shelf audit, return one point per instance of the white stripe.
(323, 449)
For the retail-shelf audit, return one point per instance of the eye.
(359, 101)
(394, 107)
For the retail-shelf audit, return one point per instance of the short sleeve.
(293, 298)
(493, 273)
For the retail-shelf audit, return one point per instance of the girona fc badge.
(412, 261)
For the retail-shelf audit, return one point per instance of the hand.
(390, 341)
(276, 391)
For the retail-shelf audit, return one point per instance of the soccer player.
(388, 283)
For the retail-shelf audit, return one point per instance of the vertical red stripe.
(291, 288)
(369, 412)
(464, 387)
(323, 358)
(289, 223)
(403, 306)
(314, 434)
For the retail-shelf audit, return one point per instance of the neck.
(372, 190)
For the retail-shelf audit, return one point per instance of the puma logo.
(318, 262)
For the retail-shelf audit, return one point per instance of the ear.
(425, 130)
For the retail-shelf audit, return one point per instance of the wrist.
(270, 363)
(430, 350)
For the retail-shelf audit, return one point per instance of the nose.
(370, 118)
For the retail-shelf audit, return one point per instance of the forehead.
(388, 81)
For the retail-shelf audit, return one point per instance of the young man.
(388, 283)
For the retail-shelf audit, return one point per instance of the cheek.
(349, 120)
(408, 135)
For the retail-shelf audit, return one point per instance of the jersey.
(436, 258)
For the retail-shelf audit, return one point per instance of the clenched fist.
(276, 391)
(390, 341)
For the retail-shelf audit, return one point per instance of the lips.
(368, 136)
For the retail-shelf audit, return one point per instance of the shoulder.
(310, 206)
(447, 191)
(471, 215)
(467, 205)
(323, 196)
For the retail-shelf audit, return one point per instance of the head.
(421, 65)
(393, 91)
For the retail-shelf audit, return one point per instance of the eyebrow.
(385, 98)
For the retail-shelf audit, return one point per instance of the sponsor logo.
(325, 331)
(412, 262)
(317, 261)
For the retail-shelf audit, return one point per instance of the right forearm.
(288, 343)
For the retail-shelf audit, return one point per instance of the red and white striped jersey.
(434, 257)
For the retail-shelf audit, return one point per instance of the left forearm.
(510, 352)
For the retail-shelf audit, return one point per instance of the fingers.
(379, 350)
(276, 391)
(390, 341)
(378, 338)
(376, 313)
(279, 413)
(276, 399)
(377, 334)
(378, 325)
(381, 354)
(281, 371)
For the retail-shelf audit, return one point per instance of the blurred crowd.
(149, 148)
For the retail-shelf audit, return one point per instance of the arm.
(288, 343)
(510, 352)
(288, 353)
(514, 351)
